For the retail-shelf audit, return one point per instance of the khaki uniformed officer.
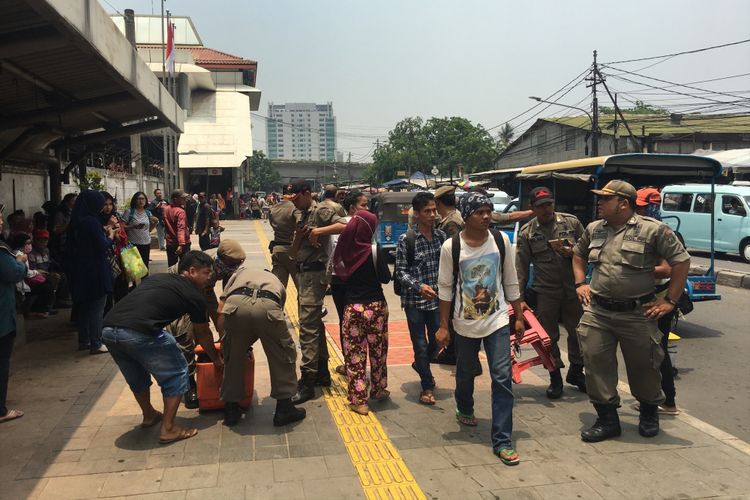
(329, 200)
(553, 282)
(283, 217)
(620, 306)
(450, 220)
(252, 308)
(311, 249)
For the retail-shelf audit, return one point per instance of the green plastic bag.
(132, 263)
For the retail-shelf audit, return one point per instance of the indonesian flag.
(170, 49)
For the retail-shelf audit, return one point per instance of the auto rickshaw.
(572, 181)
(392, 209)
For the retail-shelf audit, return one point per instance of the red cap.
(41, 233)
(647, 196)
(540, 196)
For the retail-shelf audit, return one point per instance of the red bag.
(208, 380)
(36, 280)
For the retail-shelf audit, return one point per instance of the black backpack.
(411, 241)
(456, 252)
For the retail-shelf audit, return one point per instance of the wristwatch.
(673, 302)
(578, 285)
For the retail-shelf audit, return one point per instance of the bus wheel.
(745, 250)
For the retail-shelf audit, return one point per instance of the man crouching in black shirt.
(135, 336)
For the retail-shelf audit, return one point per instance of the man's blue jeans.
(422, 328)
(497, 348)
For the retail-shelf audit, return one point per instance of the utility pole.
(595, 112)
(614, 125)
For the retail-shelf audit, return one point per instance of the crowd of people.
(461, 283)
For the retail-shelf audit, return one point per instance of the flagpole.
(165, 169)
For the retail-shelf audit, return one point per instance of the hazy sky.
(381, 61)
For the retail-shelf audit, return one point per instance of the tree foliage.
(505, 137)
(260, 175)
(640, 108)
(415, 145)
(92, 180)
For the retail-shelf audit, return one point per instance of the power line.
(673, 83)
(699, 81)
(679, 53)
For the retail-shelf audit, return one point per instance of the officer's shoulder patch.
(526, 227)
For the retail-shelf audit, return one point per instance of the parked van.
(687, 210)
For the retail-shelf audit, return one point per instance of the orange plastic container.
(209, 378)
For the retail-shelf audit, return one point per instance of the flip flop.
(184, 434)
(11, 415)
(146, 424)
(508, 456)
(469, 420)
(427, 397)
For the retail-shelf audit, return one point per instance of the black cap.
(540, 196)
(299, 186)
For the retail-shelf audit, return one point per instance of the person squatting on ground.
(353, 202)
(228, 258)
(362, 266)
(417, 260)
(252, 308)
(620, 306)
(547, 242)
(310, 248)
(476, 278)
(12, 270)
(134, 333)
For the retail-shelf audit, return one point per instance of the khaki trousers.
(246, 320)
(552, 309)
(282, 266)
(600, 331)
(312, 334)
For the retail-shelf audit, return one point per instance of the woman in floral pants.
(362, 267)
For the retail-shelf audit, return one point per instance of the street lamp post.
(594, 133)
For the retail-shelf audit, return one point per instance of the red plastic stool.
(538, 339)
(208, 380)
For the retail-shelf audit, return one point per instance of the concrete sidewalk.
(80, 438)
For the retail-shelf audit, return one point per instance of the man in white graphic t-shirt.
(473, 302)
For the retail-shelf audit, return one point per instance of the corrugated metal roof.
(663, 124)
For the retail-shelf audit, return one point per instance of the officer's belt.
(275, 243)
(622, 305)
(254, 292)
(310, 266)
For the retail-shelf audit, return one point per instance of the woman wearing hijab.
(112, 219)
(362, 267)
(89, 269)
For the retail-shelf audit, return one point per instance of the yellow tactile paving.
(381, 470)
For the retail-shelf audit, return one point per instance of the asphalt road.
(725, 261)
(713, 382)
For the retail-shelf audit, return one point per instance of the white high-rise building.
(301, 131)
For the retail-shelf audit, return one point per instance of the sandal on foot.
(668, 410)
(152, 422)
(11, 415)
(508, 456)
(469, 420)
(183, 434)
(360, 409)
(384, 394)
(427, 397)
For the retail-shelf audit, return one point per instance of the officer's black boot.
(648, 424)
(232, 414)
(607, 425)
(286, 413)
(191, 396)
(305, 390)
(324, 376)
(555, 388)
(576, 377)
